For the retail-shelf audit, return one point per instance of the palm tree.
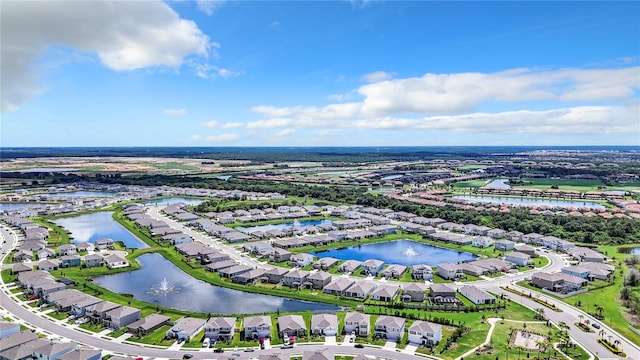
(616, 343)
(602, 333)
(587, 321)
(580, 318)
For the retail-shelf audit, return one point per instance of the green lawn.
(155, 338)
(175, 166)
(582, 185)
(470, 184)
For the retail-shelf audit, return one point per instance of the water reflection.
(98, 225)
(174, 200)
(195, 295)
(528, 202)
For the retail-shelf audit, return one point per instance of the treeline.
(590, 230)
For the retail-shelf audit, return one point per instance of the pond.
(392, 177)
(635, 251)
(85, 194)
(499, 184)
(98, 225)
(402, 252)
(294, 224)
(174, 200)
(529, 202)
(15, 206)
(160, 282)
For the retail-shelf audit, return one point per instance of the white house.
(358, 323)
(476, 295)
(324, 324)
(389, 327)
(518, 258)
(256, 327)
(425, 333)
(481, 241)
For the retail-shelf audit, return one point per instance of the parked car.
(596, 325)
(287, 346)
(249, 350)
(187, 356)
(359, 346)
(218, 350)
(205, 343)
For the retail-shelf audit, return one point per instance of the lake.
(85, 194)
(402, 252)
(98, 225)
(192, 294)
(529, 202)
(174, 200)
(15, 206)
(294, 224)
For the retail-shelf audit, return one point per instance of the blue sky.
(329, 73)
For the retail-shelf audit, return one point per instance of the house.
(48, 265)
(220, 265)
(291, 325)
(372, 267)
(185, 328)
(504, 245)
(350, 266)
(67, 249)
(389, 327)
(296, 277)
(220, 328)
(20, 267)
(496, 233)
(104, 244)
(98, 311)
(518, 258)
(325, 263)
(46, 253)
(532, 238)
(85, 246)
(338, 286)
(82, 354)
(441, 291)
(148, 324)
(233, 271)
(256, 327)
(319, 279)
(301, 260)
(248, 276)
(279, 255)
(81, 304)
(481, 241)
(69, 261)
(53, 350)
(476, 295)
(320, 354)
(361, 289)
(514, 236)
(22, 255)
(425, 333)
(385, 292)
(394, 271)
(8, 328)
(23, 351)
(324, 324)
(93, 260)
(525, 249)
(358, 323)
(559, 282)
(275, 275)
(414, 292)
(17, 339)
(115, 261)
(449, 271)
(121, 317)
(422, 272)
(472, 269)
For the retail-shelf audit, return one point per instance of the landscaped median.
(612, 347)
(529, 296)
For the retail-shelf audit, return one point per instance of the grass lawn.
(471, 184)
(118, 333)
(93, 327)
(58, 315)
(196, 342)
(582, 185)
(175, 166)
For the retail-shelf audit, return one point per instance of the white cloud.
(440, 94)
(377, 76)
(125, 35)
(574, 120)
(216, 124)
(285, 132)
(209, 71)
(209, 6)
(222, 138)
(175, 112)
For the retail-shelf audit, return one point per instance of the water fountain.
(409, 252)
(164, 289)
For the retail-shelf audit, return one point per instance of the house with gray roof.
(449, 271)
(350, 266)
(82, 354)
(358, 323)
(361, 289)
(320, 354)
(121, 317)
(422, 272)
(115, 261)
(324, 324)
(518, 258)
(338, 286)
(93, 260)
(414, 292)
(98, 312)
(256, 327)
(275, 274)
(385, 292)
(22, 351)
(477, 295)
(8, 328)
(394, 271)
(185, 328)
(291, 325)
(319, 279)
(441, 291)
(53, 350)
(296, 277)
(148, 324)
(220, 328)
(235, 270)
(425, 333)
(504, 245)
(372, 266)
(325, 263)
(389, 327)
(48, 265)
(20, 267)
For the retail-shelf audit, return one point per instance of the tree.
(580, 318)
